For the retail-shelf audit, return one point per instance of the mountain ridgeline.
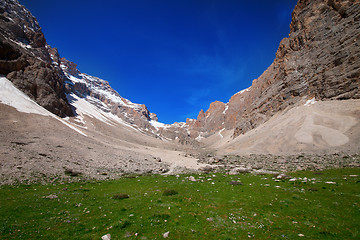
(320, 59)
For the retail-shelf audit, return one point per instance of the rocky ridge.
(25, 60)
(320, 59)
(55, 83)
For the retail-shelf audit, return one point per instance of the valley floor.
(303, 204)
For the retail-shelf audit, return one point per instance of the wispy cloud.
(197, 96)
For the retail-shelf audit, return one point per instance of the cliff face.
(320, 58)
(25, 59)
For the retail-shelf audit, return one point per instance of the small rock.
(301, 235)
(206, 169)
(243, 170)
(191, 178)
(51, 196)
(282, 176)
(106, 237)
(238, 170)
(330, 182)
(165, 235)
(233, 171)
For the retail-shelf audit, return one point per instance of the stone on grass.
(106, 237)
(238, 170)
(330, 182)
(165, 235)
(51, 196)
(282, 176)
(192, 179)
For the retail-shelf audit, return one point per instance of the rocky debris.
(157, 159)
(237, 170)
(71, 172)
(206, 169)
(273, 164)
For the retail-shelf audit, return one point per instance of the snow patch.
(12, 96)
(158, 125)
(84, 107)
(101, 87)
(226, 108)
(310, 102)
(245, 90)
(199, 138)
(220, 133)
(23, 45)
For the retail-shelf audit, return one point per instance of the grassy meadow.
(317, 205)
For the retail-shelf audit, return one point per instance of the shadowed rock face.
(25, 60)
(320, 58)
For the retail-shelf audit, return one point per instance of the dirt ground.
(40, 146)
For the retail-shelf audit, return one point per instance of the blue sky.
(174, 56)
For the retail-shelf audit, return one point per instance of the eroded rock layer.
(320, 59)
(25, 60)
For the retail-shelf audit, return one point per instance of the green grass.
(212, 208)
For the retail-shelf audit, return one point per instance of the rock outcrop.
(25, 59)
(320, 59)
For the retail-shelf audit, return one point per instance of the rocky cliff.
(320, 59)
(25, 60)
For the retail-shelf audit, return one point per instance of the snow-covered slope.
(94, 97)
(13, 97)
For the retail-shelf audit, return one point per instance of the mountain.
(55, 83)
(58, 123)
(320, 59)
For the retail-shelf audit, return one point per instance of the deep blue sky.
(175, 56)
